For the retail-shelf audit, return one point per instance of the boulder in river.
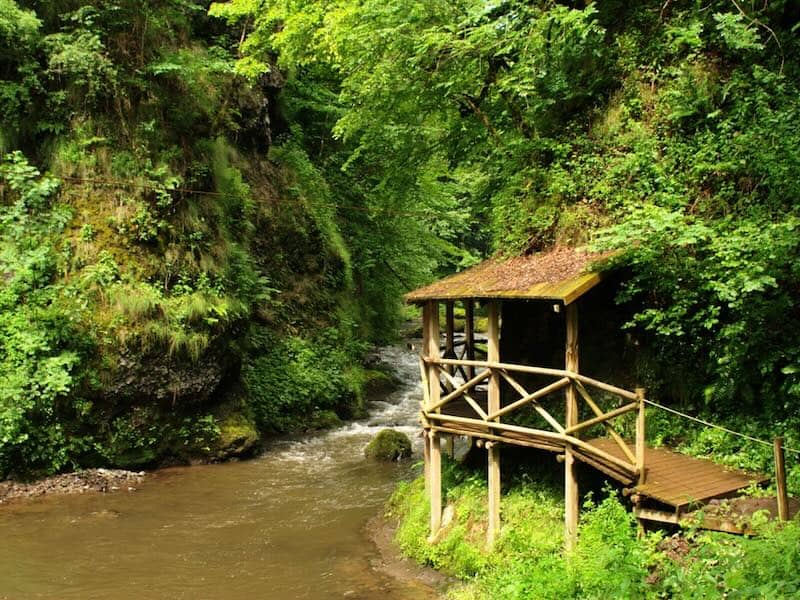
(389, 445)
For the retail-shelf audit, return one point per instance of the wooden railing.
(489, 424)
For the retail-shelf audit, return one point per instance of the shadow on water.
(290, 524)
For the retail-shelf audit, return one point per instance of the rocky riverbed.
(90, 480)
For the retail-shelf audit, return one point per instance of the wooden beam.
(436, 481)
(458, 391)
(540, 445)
(449, 327)
(571, 500)
(470, 400)
(538, 433)
(640, 436)
(493, 355)
(780, 479)
(449, 331)
(433, 470)
(542, 371)
(469, 334)
(423, 372)
(602, 418)
(656, 515)
(609, 428)
(533, 397)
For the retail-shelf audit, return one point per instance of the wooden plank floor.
(680, 480)
(672, 478)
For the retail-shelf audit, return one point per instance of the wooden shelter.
(468, 396)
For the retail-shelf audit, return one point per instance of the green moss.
(324, 419)
(237, 436)
(289, 378)
(388, 445)
(378, 384)
(481, 324)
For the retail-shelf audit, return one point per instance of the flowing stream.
(289, 524)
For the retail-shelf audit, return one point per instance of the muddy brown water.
(290, 524)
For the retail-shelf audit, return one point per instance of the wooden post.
(436, 482)
(449, 342)
(433, 470)
(570, 475)
(493, 449)
(450, 445)
(640, 435)
(469, 334)
(426, 457)
(780, 479)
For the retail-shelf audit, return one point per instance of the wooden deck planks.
(680, 480)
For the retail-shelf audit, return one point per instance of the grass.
(610, 561)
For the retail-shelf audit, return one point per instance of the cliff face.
(171, 234)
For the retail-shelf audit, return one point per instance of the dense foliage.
(234, 182)
(182, 255)
(609, 560)
(664, 130)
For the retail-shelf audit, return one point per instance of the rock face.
(389, 445)
(161, 378)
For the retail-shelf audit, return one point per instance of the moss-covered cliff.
(175, 286)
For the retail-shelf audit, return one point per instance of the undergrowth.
(610, 561)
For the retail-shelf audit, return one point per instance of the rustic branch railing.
(487, 423)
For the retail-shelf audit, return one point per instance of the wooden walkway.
(682, 482)
(673, 483)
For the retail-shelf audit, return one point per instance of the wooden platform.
(675, 482)
(681, 481)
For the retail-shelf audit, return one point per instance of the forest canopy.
(665, 130)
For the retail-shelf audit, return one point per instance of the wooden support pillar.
(469, 334)
(433, 454)
(450, 446)
(436, 481)
(449, 341)
(780, 479)
(570, 475)
(449, 326)
(493, 449)
(640, 435)
(426, 457)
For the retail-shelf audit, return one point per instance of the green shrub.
(289, 379)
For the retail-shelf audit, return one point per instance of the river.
(289, 524)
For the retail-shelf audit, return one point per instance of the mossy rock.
(324, 419)
(379, 384)
(388, 445)
(237, 437)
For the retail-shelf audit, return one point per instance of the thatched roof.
(561, 274)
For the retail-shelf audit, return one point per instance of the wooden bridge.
(663, 484)
(493, 402)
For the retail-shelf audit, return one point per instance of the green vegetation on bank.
(609, 560)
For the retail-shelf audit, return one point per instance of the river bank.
(79, 482)
(391, 561)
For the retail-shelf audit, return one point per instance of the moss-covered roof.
(560, 274)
